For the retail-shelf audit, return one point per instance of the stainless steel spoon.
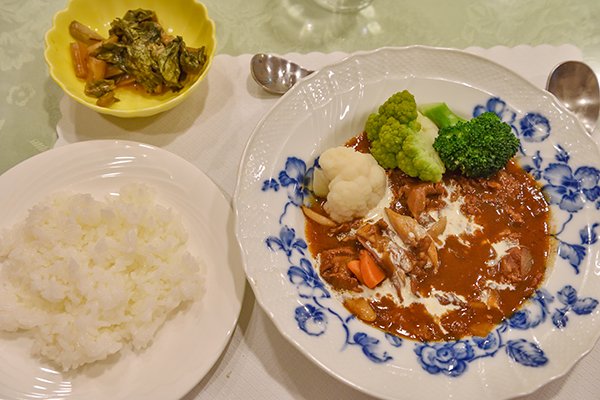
(275, 74)
(575, 84)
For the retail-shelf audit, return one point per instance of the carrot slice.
(354, 267)
(96, 69)
(79, 56)
(371, 274)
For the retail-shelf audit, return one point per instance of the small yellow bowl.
(186, 18)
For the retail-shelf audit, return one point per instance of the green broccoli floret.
(476, 148)
(399, 139)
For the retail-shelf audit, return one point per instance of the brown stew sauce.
(509, 206)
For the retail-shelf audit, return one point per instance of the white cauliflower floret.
(353, 182)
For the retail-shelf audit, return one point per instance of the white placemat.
(211, 129)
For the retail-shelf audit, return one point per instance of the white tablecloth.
(211, 129)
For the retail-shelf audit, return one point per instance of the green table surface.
(29, 98)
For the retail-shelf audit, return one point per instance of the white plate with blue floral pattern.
(539, 343)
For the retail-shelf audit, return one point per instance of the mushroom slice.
(411, 233)
(516, 265)
(406, 227)
(437, 228)
(84, 33)
(417, 197)
(389, 255)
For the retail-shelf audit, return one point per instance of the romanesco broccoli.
(400, 137)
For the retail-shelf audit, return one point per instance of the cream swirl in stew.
(459, 255)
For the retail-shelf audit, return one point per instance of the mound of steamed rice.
(87, 277)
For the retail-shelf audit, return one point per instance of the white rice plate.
(86, 277)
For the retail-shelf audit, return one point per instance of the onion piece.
(360, 307)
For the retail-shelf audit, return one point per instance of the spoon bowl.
(275, 74)
(575, 84)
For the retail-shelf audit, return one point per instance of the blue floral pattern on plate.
(567, 186)
(312, 316)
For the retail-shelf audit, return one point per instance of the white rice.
(87, 277)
